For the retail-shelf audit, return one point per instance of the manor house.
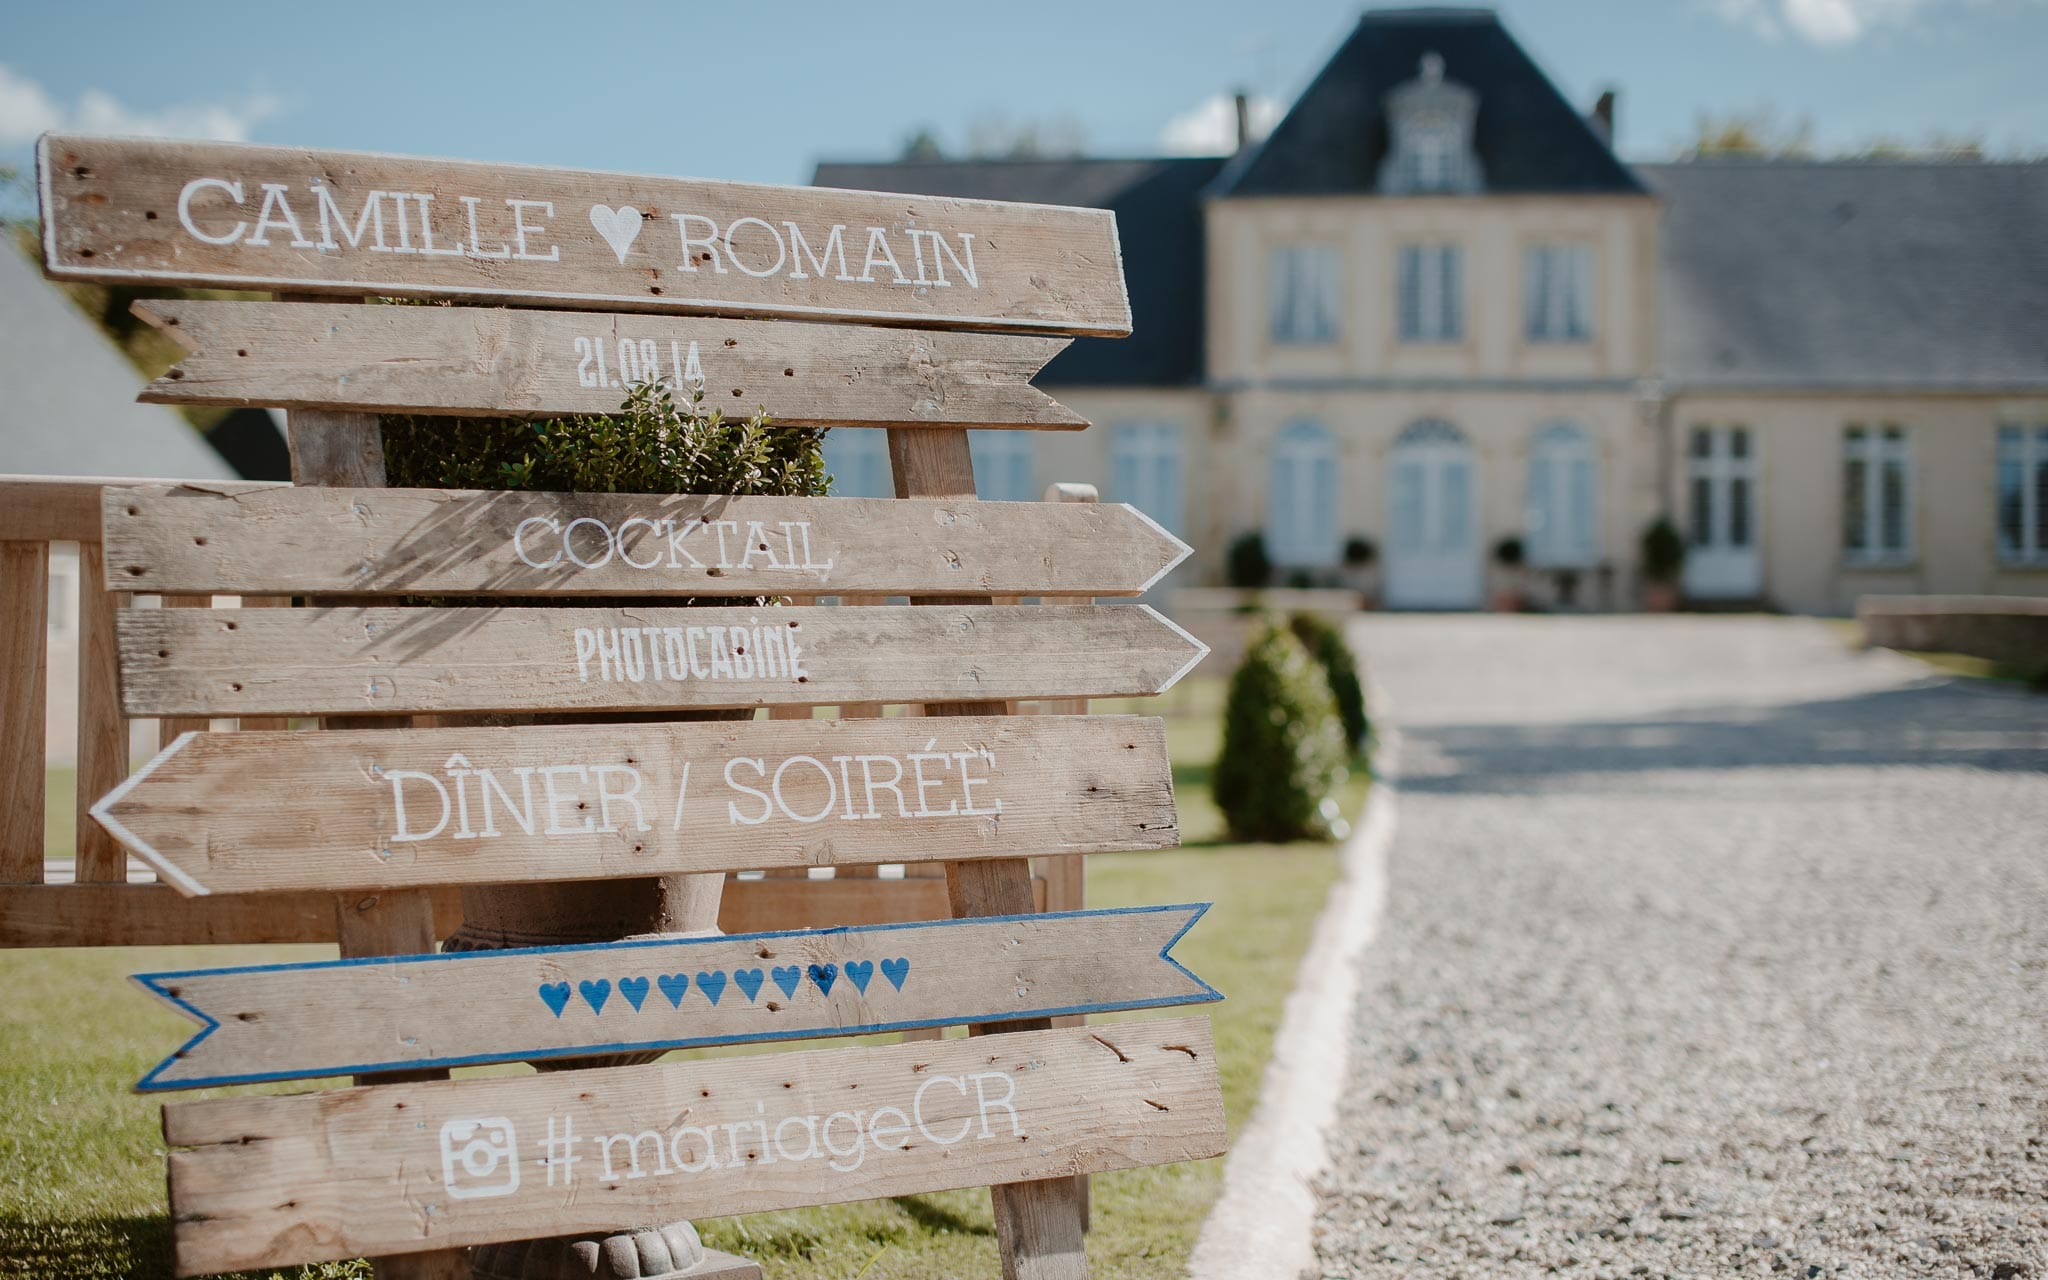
(1433, 313)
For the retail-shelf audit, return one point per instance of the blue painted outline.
(154, 984)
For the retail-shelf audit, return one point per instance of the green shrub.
(1324, 641)
(1247, 565)
(1663, 551)
(652, 445)
(1283, 746)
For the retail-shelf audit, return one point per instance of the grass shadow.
(938, 1218)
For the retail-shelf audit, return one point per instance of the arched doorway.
(1432, 559)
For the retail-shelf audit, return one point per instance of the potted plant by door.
(1360, 559)
(1663, 560)
(1508, 595)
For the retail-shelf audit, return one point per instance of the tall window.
(2023, 495)
(1877, 495)
(1003, 466)
(1304, 294)
(1301, 511)
(1557, 289)
(857, 458)
(1146, 469)
(1564, 502)
(1432, 293)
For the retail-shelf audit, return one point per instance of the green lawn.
(81, 1158)
(1955, 664)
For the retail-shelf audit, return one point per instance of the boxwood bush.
(1283, 752)
(1324, 640)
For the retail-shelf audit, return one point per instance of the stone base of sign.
(647, 1253)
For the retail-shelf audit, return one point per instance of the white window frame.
(1437, 270)
(1877, 448)
(1305, 295)
(2025, 449)
(1561, 533)
(1302, 519)
(1557, 292)
(1148, 470)
(1005, 466)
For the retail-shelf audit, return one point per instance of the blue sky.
(762, 91)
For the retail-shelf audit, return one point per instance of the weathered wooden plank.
(102, 740)
(253, 812)
(156, 915)
(300, 1021)
(469, 360)
(24, 658)
(395, 660)
(236, 538)
(277, 1180)
(202, 213)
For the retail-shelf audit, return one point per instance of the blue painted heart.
(896, 971)
(712, 984)
(635, 991)
(749, 981)
(824, 975)
(673, 985)
(596, 993)
(555, 995)
(860, 973)
(787, 977)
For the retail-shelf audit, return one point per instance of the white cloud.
(27, 110)
(1821, 22)
(1211, 128)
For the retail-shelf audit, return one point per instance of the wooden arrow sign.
(277, 540)
(444, 360)
(282, 218)
(272, 1181)
(345, 661)
(383, 809)
(349, 1017)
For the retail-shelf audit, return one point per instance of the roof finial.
(1432, 67)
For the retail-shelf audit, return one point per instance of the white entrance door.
(1722, 561)
(1432, 557)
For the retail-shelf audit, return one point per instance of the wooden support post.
(1039, 1225)
(24, 706)
(102, 729)
(347, 449)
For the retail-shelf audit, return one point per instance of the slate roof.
(1159, 223)
(68, 406)
(1528, 138)
(1834, 274)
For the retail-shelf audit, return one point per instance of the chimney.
(1603, 116)
(1244, 121)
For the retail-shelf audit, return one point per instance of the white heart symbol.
(620, 228)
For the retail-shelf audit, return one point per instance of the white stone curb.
(1263, 1223)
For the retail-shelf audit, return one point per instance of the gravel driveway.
(1712, 948)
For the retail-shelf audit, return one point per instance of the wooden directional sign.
(344, 661)
(382, 809)
(271, 1181)
(281, 218)
(348, 1017)
(457, 360)
(278, 540)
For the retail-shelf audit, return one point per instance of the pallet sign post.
(711, 275)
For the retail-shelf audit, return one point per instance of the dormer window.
(1430, 122)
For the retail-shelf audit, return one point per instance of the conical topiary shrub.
(1324, 640)
(1283, 746)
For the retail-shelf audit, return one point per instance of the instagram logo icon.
(479, 1158)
